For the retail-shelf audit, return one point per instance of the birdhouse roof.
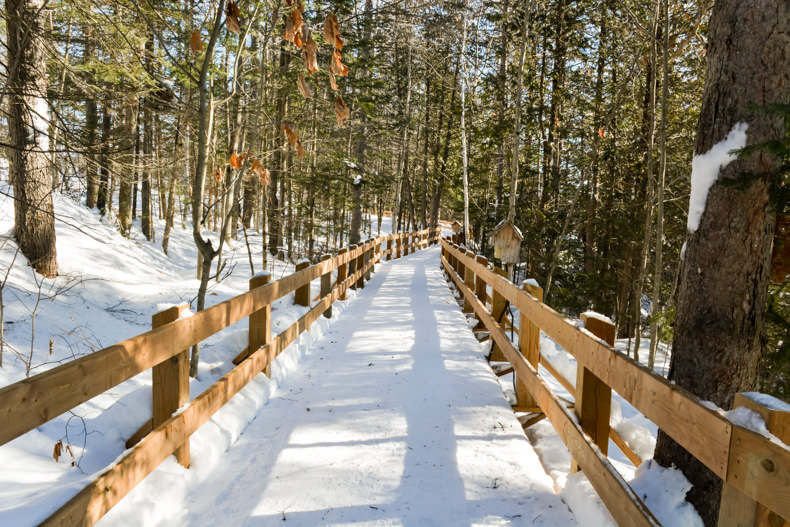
(501, 228)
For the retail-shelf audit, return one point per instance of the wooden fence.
(36, 400)
(755, 470)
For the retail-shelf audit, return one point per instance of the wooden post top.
(532, 289)
(260, 279)
(603, 329)
(168, 315)
(482, 259)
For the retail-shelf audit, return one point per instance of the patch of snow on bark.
(705, 171)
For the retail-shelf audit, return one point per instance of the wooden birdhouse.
(456, 227)
(506, 239)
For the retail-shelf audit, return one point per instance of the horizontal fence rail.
(34, 401)
(755, 470)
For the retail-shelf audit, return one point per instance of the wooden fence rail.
(34, 401)
(752, 465)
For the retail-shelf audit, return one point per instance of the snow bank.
(664, 490)
(705, 171)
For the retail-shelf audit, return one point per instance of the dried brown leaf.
(299, 150)
(341, 111)
(293, 28)
(337, 67)
(58, 450)
(293, 137)
(332, 82)
(332, 31)
(310, 54)
(195, 42)
(233, 17)
(307, 93)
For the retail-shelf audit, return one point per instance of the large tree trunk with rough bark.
(34, 221)
(722, 296)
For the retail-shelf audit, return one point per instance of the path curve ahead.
(394, 418)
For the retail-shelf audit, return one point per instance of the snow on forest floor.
(107, 290)
(393, 418)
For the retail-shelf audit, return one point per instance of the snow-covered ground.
(108, 288)
(392, 418)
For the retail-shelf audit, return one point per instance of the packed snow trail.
(393, 418)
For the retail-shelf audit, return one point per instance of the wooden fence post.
(326, 286)
(406, 242)
(342, 272)
(737, 509)
(368, 258)
(469, 280)
(352, 266)
(498, 308)
(389, 249)
(302, 294)
(480, 284)
(528, 345)
(171, 382)
(397, 245)
(260, 332)
(593, 397)
(359, 267)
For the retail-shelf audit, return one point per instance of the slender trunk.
(662, 171)
(464, 159)
(102, 194)
(511, 211)
(650, 133)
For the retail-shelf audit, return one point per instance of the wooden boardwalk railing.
(755, 470)
(34, 401)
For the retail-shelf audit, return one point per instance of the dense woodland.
(304, 120)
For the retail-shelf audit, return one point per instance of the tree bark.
(723, 289)
(34, 220)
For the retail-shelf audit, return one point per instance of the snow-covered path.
(394, 418)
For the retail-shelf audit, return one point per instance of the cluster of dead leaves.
(293, 139)
(59, 449)
(237, 161)
(297, 32)
(264, 176)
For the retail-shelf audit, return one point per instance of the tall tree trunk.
(91, 126)
(127, 167)
(402, 160)
(649, 133)
(662, 173)
(28, 126)
(721, 301)
(274, 211)
(103, 194)
(146, 215)
(464, 158)
(511, 211)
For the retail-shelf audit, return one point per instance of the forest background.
(580, 116)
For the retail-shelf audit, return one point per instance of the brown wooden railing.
(34, 401)
(755, 470)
